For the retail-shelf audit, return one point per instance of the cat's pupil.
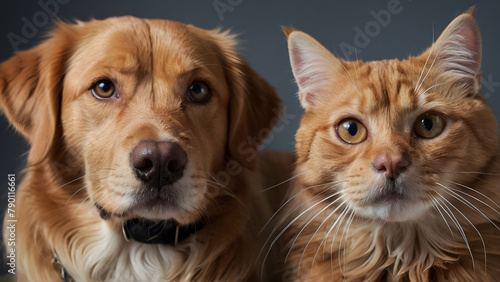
(427, 123)
(352, 128)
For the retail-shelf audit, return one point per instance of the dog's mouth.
(104, 214)
(153, 231)
(163, 198)
(152, 202)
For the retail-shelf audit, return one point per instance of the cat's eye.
(198, 92)
(429, 126)
(351, 131)
(103, 89)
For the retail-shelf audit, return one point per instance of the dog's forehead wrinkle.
(151, 61)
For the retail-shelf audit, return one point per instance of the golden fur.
(80, 150)
(439, 219)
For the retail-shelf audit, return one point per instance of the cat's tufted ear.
(457, 53)
(313, 66)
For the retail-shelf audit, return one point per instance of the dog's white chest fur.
(105, 255)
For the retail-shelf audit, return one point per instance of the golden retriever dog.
(143, 163)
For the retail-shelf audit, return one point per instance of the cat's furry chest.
(365, 250)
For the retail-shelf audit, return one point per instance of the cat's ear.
(313, 66)
(457, 53)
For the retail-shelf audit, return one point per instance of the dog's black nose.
(158, 163)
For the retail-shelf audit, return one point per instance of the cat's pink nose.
(391, 164)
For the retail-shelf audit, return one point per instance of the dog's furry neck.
(92, 249)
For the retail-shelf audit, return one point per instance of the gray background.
(258, 22)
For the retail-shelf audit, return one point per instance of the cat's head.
(393, 135)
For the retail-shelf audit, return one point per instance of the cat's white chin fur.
(400, 211)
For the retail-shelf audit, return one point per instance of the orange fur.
(80, 150)
(438, 219)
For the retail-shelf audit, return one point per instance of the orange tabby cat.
(398, 173)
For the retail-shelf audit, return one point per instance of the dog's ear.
(254, 108)
(254, 105)
(30, 91)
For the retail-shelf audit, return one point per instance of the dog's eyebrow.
(199, 66)
(130, 70)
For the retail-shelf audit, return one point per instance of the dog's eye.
(103, 89)
(198, 92)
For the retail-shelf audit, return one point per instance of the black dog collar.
(158, 232)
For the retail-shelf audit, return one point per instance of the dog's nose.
(158, 163)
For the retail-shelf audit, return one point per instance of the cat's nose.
(392, 164)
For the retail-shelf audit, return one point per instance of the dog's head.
(148, 110)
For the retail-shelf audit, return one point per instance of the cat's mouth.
(388, 198)
(394, 202)
(392, 193)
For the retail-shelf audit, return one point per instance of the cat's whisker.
(339, 219)
(356, 69)
(455, 221)
(317, 229)
(453, 218)
(327, 234)
(283, 182)
(346, 231)
(463, 232)
(474, 190)
(305, 248)
(437, 206)
(471, 172)
(423, 69)
(435, 85)
(334, 183)
(291, 223)
(337, 228)
(469, 195)
(291, 212)
(309, 222)
(350, 77)
(426, 61)
(464, 201)
(428, 71)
